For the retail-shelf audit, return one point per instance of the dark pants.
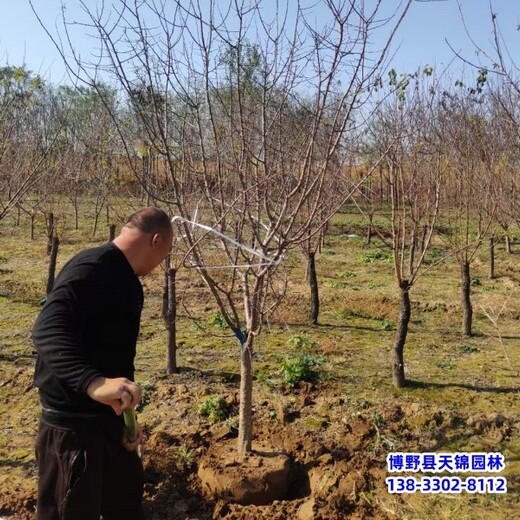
(85, 473)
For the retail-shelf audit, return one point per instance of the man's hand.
(119, 392)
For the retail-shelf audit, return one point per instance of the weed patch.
(305, 367)
(375, 256)
(215, 408)
(301, 342)
(217, 320)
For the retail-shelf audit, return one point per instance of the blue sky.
(421, 38)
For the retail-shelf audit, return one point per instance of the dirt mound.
(261, 477)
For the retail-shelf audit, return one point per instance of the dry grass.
(464, 376)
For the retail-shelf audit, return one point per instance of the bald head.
(146, 239)
(150, 220)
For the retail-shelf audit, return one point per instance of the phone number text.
(446, 484)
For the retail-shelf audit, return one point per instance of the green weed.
(445, 365)
(262, 377)
(387, 325)
(215, 408)
(301, 342)
(185, 457)
(433, 256)
(305, 367)
(334, 284)
(217, 320)
(378, 420)
(375, 256)
(147, 388)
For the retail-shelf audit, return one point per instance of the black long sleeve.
(87, 328)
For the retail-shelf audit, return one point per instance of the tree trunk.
(491, 258)
(423, 239)
(313, 284)
(52, 263)
(413, 245)
(508, 244)
(32, 225)
(245, 426)
(381, 185)
(465, 291)
(323, 233)
(50, 232)
(400, 336)
(165, 289)
(96, 219)
(171, 316)
(112, 232)
(76, 214)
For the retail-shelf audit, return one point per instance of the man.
(86, 337)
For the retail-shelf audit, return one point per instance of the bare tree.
(496, 60)
(227, 90)
(414, 169)
(26, 135)
(469, 192)
(504, 130)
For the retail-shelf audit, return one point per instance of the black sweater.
(88, 327)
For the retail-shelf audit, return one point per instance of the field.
(463, 393)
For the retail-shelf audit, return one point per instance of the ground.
(462, 395)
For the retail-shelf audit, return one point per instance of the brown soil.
(259, 478)
(332, 466)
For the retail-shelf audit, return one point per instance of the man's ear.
(156, 240)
